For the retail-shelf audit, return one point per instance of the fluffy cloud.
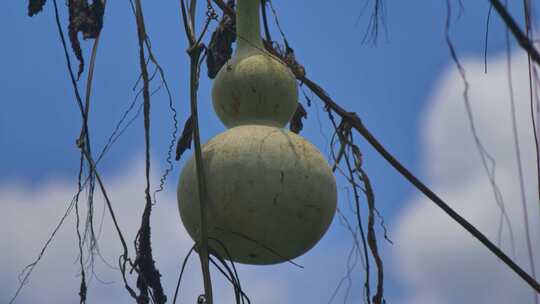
(436, 258)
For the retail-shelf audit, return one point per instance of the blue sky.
(375, 81)
(389, 85)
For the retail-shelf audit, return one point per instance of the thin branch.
(124, 258)
(240, 295)
(149, 279)
(184, 263)
(84, 138)
(27, 271)
(342, 134)
(267, 35)
(378, 298)
(188, 26)
(195, 51)
(195, 54)
(84, 143)
(193, 12)
(488, 161)
(521, 37)
(83, 287)
(354, 252)
(486, 38)
(518, 153)
(529, 20)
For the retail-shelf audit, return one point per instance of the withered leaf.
(220, 48)
(86, 19)
(185, 140)
(35, 6)
(296, 122)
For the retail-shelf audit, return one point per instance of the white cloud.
(29, 213)
(436, 258)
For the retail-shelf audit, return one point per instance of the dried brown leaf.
(86, 19)
(296, 122)
(35, 6)
(220, 48)
(185, 140)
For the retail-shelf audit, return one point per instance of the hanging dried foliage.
(185, 140)
(296, 121)
(86, 19)
(35, 6)
(220, 48)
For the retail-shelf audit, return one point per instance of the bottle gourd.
(271, 193)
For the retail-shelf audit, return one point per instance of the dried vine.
(489, 163)
(195, 51)
(88, 19)
(149, 278)
(354, 174)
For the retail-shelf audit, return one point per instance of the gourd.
(253, 87)
(272, 195)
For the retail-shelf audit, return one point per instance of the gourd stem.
(248, 25)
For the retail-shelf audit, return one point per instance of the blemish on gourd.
(275, 199)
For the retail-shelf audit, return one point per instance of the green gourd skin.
(253, 87)
(271, 193)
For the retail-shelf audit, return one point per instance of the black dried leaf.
(86, 19)
(296, 122)
(220, 48)
(185, 140)
(35, 6)
(149, 279)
